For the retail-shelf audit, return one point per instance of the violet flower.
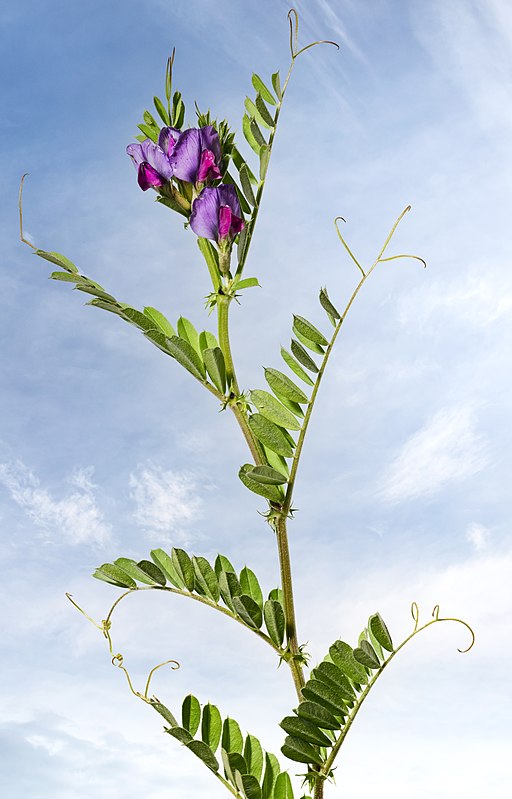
(151, 162)
(216, 215)
(196, 156)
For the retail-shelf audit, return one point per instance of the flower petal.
(186, 155)
(210, 141)
(229, 197)
(208, 169)
(136, 154)
(158, 160)
(149, 177)
(167, 139)
(204, 219)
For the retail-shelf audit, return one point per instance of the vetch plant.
(199, 172)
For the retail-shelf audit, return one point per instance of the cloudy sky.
(107, 448)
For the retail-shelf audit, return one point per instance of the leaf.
(264, 160)
(327, 305)
(222, 563)
(277, 594)
(246, 185)
(330, 674)
(283, 787)
(271, 771)
(309, 331)
(274, 410)
(211, 726)
(300, 728)
(251, 787)
(380, 631)
(250, 585)
(67, 277)
(246, 283)
(243, 242)
(237, 763)
(164, 712)
(273, 614)
(158, 339)
(110, 573)
(161, 111)
(253, 755)
(232, 739)
(319, 715)
(303, 357)
(270, 434)
(256, 132)
(264, 113)
(248, 610)
(87, 288)
(229, 588)
(187, 331)
(276, 83)
(283, 386)
(300, 751)
(165, 563)
(191, 714)
(375, 643)
(206, 581)
(216, 367)
(152, 572)
(307, 343)
(207, 341)
(203, 751)
(149, 131)
(325, 695)
(263, 90)
(249, 135)
(342, 655)
(181, 734)
(159, 321)
(131, 568)
(294, 366)
(137, 318)
(276, 462)
(271, 492)
(266, 475)
(178, 110)
(184, 353)
(58, 259)
(184, 568)
(108, 306)
(365, 654)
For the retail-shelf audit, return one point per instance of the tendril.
(415, 613)
(346, 245)
(437, 618)
(293, 20)
(20, 207)
(435, 612)
(395, 257)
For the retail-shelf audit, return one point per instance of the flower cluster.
(188, 163)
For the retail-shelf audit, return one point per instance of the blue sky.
(107, 449)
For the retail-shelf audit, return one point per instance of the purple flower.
(216, 214)
(196, 155)
(168, 138)
(152, 163)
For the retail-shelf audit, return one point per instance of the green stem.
(289, 608)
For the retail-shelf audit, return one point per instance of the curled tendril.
(415, 613)
(436, 618)
(293, 20)
(405, 255)
(346, 245)
(435, 612)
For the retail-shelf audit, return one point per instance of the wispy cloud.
(166, 501)
(447, 449)
(478, 536)
(73, 519)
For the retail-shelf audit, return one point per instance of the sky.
(108, 449)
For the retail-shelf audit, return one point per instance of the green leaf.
(283, 787)
(277, 594)
(263, 90)
(303, 357)
(239, 161)
(203, 751)
(330, 674)
(232, 739)
(253, 755)
(229, 588)
(271, 492)
(184, 567)
(274, 410)
(327, 305)
(87, 288)
(58, 259)
(256, 132)
(380, 631)
(264, 113)
(164, 712)
(264, 160)
(137, 318)
(182, 735)
(253, 112)
(300, 728)
(216, 367)
(282, 385)
(300, 751)
(250, 585)
(67, 277)
(152, 572)
(251, 787)
(158, 339)
(161, 111)
(276, 462)
(266, 475)
(247, 283)
(207, 341)
(243, 242)
(159, 321)
(131, 568)
(325, 695)
(375, 643)
(309, 331)
(222, 563)
(186, 355)
(246, 185)
(249, 135)
(191, 714)
(150, 120)
(206, 581)
(271, 771)
(248, 610)
(165, 563)
(276, 83)
(273, 614)
(237, 763)
(294, 366)
(211, 256)
(211, 726)
(307, 343)
(319, 715)
(110, 573)
(178, 110)
(365, 654)
(343, 657)
(150, 132)
(187, 331)
(270, 434)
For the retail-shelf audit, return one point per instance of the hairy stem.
(289, 608)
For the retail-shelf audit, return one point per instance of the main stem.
(289, 608)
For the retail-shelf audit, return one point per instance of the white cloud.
(74, 519)
(447, 449)
(478, 536)
(166, 501)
